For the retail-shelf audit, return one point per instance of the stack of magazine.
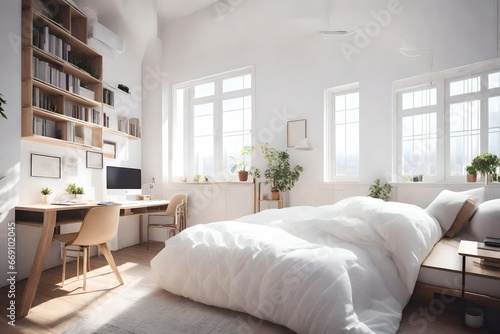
(490, 243)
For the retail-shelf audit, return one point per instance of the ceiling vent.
(102, 34)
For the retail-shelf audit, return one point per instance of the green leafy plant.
(243, 165)
(197, 178)
(279, 173)
(382, 191)
(470, 170)
(46, 191)
(74, 190)
(485, 163)
(2, 102)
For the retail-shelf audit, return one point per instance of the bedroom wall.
(294, 65)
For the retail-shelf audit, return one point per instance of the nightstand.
(470, 249)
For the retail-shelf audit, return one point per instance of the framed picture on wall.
(45, 166)
(296, 131)
(94, 160)
(109, 149)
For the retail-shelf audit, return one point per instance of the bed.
(346, 267)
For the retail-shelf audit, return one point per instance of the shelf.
(61, 99)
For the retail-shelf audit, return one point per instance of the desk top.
(469, 248)
(57, 207)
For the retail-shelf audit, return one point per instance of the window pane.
(419, 144)
(494, 125)
(464, 135)
(419, 98)
(347, 134)
(493, 80)
(203, 90)
(407, 101)
(236, 83)
(465, 86)
(203, 156)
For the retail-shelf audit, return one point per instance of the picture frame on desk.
(94, 160)
(43, 165)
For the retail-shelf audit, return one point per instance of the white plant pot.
(46, 199)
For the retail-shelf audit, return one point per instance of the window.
(417, 121)
(441, 127)
(214, 118)
(342, 133)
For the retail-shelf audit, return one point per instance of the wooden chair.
(176, 212)
(99, 226)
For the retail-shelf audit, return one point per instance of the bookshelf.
(61, 77)
(119, 112)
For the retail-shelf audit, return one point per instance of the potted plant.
(2, 102)
(382, 191)
(486, 164)
(279, 173)
(46, 195)
(74, 190)
(471, 173)
(243, 167)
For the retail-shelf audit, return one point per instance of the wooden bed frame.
(444, 258)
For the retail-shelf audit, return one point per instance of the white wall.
(294, 65)
(10, 130)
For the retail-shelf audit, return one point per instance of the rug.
(145, 308)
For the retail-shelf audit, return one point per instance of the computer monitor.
(123, 180)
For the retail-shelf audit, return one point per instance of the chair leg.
(147, 235)
(85, 254)
(78, 263)
(63, 266)
(109, 257)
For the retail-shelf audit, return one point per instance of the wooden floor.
(55, 308)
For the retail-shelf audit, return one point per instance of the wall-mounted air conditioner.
(106, 37)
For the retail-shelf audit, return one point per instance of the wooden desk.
(47, 217)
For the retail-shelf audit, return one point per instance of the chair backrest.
(99, 225)
(174, 201)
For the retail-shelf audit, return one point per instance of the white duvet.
(344, 268)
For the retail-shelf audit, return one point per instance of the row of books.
(108, 97)
(48, 42)
(46, 72)
(131, 126)
(43, 100)
(44, 127)
(48, 102)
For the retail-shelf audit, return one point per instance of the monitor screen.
(123, 178)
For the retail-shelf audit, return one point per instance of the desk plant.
(279, 173)
(45, 195)
(486, 164)
(74, 190)
(243, 167)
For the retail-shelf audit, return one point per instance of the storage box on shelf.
(119, 111)
(61, 76)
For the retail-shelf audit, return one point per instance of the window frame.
(441, 81)
(329, 133)
(183, 122)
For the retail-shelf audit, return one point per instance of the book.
(482, 245)
(491, 241)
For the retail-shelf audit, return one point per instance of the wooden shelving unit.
(118, 117)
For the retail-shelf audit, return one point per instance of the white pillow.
(446, 206)
(484, 223)
(477, 192)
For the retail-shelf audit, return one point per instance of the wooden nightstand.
(470, 249)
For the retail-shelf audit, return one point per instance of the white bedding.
(348, 267)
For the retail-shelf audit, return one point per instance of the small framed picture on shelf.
(296, 131)
(94, 160)
(45, 166)
(109, 149)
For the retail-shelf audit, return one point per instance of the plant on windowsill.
(279, 173)
(486, 164)
(471, 173)
(382, 191)
(243, 167)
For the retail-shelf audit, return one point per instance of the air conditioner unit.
(106, 37)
